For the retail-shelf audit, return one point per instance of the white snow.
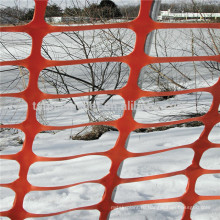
(169, 187)
(213, 181)
(185, 42)
(63, 113)
(7, 197)
(212, 137)
(95, 167)
(210, 158)
(13, 110)
(61, 145)
(60, 200)
(170, 161)
(68, 172)
(153, 141)
(204, 210)
(14, 46)
(151, 111)
(13, 168)
(88, 44)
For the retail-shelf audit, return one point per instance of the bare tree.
(90, 77)
(183, 75)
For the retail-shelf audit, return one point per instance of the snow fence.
(136, 60)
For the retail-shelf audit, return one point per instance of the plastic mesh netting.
(131, 92)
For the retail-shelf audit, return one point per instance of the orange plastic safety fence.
(142, 26)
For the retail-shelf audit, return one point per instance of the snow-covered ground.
(95, 167)
(60, 144)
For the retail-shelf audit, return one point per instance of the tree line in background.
(106, 9)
